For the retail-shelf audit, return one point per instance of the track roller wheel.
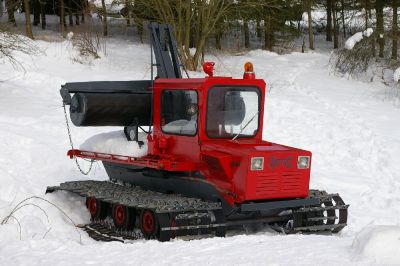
(98, 209)
(148, 224)
(123, 217)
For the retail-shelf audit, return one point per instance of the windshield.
(233, 112)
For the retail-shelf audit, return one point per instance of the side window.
(179, 112)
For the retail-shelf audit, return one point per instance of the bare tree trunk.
(367, 18)
(62, 17)
(367, 6)
(104, 15)
(139, 26)
(76, 18)
(266, 25)
(379, 26)
(395, 29)
(329, 20)
(71, 21)
(43, 14)
(246, 34)
(268, 34)
(128, 13)
(218, 38)
(36, 12)
(310, 27)
(10, 5)
(259, 34)
(28, 26)
(343, 21)
(335, 26)
(76, 10)
(84, 10)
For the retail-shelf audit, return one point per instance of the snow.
(368, 32)
(353, 40)
(192, 51)
(115, 142)
(70, 35)
(356, 38)
(396, 75)
(111, 6)
(350, 126)
(382, 243)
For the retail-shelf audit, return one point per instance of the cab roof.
(210, 81)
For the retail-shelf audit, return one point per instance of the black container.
(110, 109)
(108, 103)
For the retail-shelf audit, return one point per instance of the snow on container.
(115, 142)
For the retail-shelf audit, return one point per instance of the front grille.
(279, 184)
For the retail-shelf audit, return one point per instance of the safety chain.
(72, 145)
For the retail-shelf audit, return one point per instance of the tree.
(269, 39)
(258, 28)
(192, 21)
(275, 15)
(367, 7)
(218, 31)
(10, 5)
(379, 26)
(335, 25)
(395, 30)
(329, 20)
(71, 21)
(343, 17)
(246, 34)
(128, 12)
(104, 18)
(310, 27)
(28, 26)
(62, 18)
(36, 12)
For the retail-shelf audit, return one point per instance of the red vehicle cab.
(214, 126)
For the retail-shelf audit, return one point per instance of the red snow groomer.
(207, 167)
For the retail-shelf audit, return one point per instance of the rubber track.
(101, 231)
(136, 197)
(331, 215)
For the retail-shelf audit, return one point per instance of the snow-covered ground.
(351, 127)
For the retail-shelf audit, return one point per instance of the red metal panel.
(167, 163)
(280, 177)
(280, 185)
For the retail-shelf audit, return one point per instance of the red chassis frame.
(224, 163)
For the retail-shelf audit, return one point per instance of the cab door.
(178, 123)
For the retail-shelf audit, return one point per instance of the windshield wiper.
(240, 132)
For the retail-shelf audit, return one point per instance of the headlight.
(257, 163)
(303, 162)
